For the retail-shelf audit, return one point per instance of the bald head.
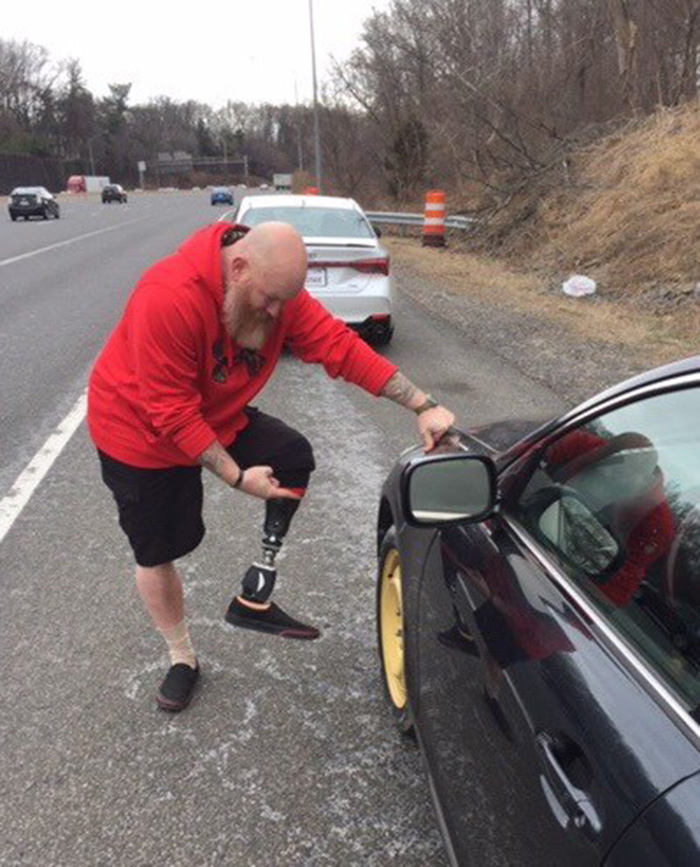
(261, 272)
(277, 254)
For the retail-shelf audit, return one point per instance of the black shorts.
(161, 510)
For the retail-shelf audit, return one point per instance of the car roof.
(28, 190)
(295, 201)
(658, 375)
(649, 377)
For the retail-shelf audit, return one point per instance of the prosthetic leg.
(259, 580)
(252, 609)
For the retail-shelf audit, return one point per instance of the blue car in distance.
(221, 196)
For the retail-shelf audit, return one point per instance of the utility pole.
(92, 159)
(317, 134)
(299, 151)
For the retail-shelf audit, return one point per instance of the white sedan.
(348, 269)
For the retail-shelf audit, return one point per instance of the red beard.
(249, 328)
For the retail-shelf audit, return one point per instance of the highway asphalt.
(287, 755)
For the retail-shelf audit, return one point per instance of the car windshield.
(313, 222)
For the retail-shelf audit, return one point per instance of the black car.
(32, 202)
(113, 193)
(538, 607)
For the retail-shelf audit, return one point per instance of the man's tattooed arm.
(257, 481)
(434, 421)
(218, 461)
(401, 390)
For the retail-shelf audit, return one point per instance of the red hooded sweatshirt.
(170, 380)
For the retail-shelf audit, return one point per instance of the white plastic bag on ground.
(578, 285)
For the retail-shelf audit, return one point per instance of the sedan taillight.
(365, 266)
(372, 266)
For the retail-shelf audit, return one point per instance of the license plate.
(316, 277)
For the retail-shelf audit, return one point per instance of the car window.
(314, 222)
(617, 503)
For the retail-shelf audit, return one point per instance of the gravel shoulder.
(575, 347)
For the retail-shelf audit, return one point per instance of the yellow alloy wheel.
(391, 625)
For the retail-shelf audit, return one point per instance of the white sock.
(180, 645)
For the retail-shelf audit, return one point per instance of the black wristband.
(239, 480)
(428, 403)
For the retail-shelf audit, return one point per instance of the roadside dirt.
(643, 337)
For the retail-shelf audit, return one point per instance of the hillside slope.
(625, 210)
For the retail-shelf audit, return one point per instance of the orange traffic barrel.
(434, 219)
(312, 191)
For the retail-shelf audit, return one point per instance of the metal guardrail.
(402, 219)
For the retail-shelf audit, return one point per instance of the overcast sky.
(213, 51)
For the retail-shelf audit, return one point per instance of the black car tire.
(384, 338)
(389, 610)
(13, 217)
(45, 213)
(58, 213)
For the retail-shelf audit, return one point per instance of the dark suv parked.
(32, 202)
(113, 193)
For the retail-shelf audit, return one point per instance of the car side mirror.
(377, 231)
(449, 489)
(565, 524)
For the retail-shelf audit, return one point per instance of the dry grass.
(640, 216)
(654, 339)
(627, 211)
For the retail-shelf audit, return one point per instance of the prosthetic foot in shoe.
(271, 620)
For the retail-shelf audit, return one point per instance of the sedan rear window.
(313, 222)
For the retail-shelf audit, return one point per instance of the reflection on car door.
(541, 746)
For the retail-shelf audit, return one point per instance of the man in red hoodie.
(170, 393)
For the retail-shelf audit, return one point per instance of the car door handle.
(571, 804)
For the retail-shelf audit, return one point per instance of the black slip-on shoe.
(272, 620)
(176, 690)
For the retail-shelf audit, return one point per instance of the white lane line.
(30, 478)
(4, 262)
